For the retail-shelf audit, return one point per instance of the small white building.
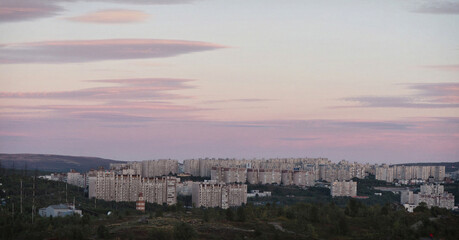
(255, 193)
(60, 210)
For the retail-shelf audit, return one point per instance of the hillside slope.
(53, 163)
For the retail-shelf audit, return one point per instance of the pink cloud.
(143, 88)
(98, 50)
(430, 95)
(451, 67)
(20, 10)
(112, 16)
(141, 99)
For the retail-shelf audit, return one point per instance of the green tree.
(102, 231)
(343, 226)
(159, 234)
(422, 207)
(184, 231)
(241, 215)
(229, 214)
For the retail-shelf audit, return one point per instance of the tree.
(229, 214)
(86, 219)
(159, 234)
(241, 215)
(206, 216)
(422, 207)
(343, 225)
(102, 231)
(184, 231)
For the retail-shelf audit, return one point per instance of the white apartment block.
(110, 186)
(267, 171)
(213, 194)
(264, 176)
(431, 194)
(287, 177)
(148, 168)
(229, 175)
(303, 178)
(76, 178)
(401, 172)
(343, 189)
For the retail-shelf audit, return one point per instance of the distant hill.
(449, 166)
(53, 163)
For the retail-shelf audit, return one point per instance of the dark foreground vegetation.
(323, 218)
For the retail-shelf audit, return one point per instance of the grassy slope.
(53, 163)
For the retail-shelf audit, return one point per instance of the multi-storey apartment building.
(287, 177)
(431, 194)
(343, 189)
(270, 171)
(229, 175)
(213, 194)
(148, 168)
(402, 172)
(76, 178)
(109, 186)
(264, 176)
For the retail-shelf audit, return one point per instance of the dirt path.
(277, 226)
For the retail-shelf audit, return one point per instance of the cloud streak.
(450, 67)
(139, 99)
(438, 7)
(98, 50)
(111, 17)
(22, 10)
(138, 88)
(434, 95)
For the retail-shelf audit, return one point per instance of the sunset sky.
(365, 81)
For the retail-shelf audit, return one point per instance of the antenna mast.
(33, 199)
(21, 197)
(66, 201)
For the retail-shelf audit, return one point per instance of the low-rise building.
(60, 210)
(255, 193)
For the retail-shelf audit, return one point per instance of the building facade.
(433, 195)
(343, 189)
(212, 194)
(109, 186)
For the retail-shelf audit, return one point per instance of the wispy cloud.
(450, 67)
(240, 100)
(114, 16)
(98, 50)
(299, 139)
(437, 7)
(21, 10)
(434, 95)
(375, 125)
(143, 88)
(141, 99)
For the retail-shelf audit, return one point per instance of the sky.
(365, 81)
